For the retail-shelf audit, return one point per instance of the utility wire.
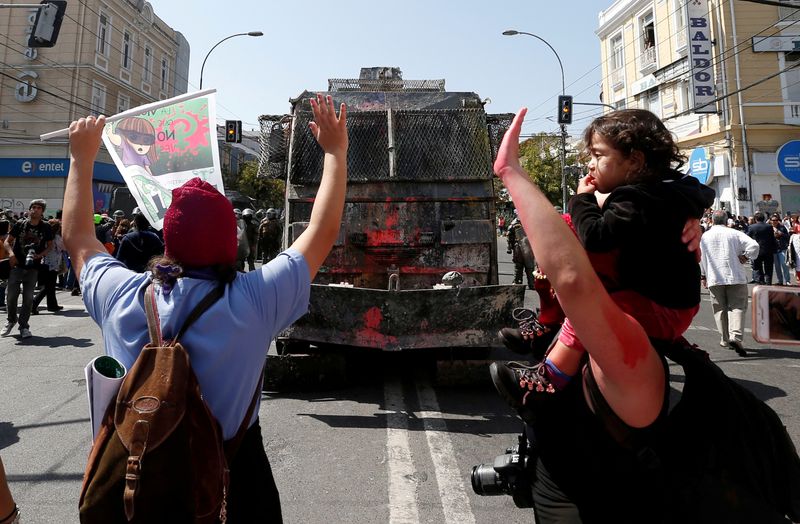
(681, 6)
(87, 6)
(719, 60)
(50, 93)
(39, 81)
(719, 98)
(68, 70)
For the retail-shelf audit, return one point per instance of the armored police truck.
(415, 263)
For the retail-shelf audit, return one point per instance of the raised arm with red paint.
(628, 370)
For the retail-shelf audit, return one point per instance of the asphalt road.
(385, 438)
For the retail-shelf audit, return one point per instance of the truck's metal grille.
(367, 157)
(498, 125)
(442, 144)
(274, 145)
(355, 84)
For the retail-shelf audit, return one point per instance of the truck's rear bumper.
(406, 319)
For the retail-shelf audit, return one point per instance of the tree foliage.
(267, 192)
(539, 157)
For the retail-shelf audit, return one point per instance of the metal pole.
(251, 33)
(564, 194)
(512, 32)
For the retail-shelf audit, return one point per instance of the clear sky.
(305, 43)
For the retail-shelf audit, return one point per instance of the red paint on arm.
(634, 342)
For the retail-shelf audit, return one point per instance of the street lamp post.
(251, 33)
(563, 155)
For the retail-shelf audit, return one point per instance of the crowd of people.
(607, 444)
(35, 263)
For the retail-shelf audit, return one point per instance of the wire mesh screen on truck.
(357, 84)
(274, 145)
(498, 124)
(442, 144)
(367, 155)
(450, 144)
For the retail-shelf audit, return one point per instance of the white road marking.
(703, 328)
(455, 502)
(402, 488)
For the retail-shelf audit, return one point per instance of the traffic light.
(565, 109)
(47, 23)
(233, 131)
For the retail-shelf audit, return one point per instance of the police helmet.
(272, 213)
(38, 202)
(248, 212)
(119, 213)
(237, 211)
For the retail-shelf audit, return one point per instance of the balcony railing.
(647, 58)
(618, 78)
(680, 39)
(793, 13)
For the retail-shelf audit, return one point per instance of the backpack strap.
(150, 309)
(232, 445)
(154, 323)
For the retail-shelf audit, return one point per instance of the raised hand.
(329, 130)
(84, 138)
(508, 154)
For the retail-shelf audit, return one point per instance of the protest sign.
(160, 146)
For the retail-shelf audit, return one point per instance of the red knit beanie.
(199, 226)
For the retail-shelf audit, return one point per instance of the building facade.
(719, 73)
(111, 55)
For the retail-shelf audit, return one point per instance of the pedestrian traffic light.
(47, 23)
(565, 109)
(233, 131)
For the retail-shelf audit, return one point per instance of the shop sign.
(643, 84)
(25, 90)
(53, 168)
(702, 72)
(788, 158)
(700, 165)
(776, 44)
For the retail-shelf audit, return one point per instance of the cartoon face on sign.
(134, 138)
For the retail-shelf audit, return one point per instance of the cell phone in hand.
(776, 315)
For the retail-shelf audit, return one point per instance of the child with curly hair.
(631, 235)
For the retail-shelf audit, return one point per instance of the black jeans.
(48, 279)
(762, 268)
(550, 504)
(25, 279)
(253, 494)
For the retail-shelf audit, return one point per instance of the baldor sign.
(700, 56)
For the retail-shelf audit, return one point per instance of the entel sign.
(57, 166)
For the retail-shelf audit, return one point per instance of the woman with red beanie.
(227, 345)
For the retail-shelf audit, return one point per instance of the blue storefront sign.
(700, 166)
(54, 167)
(789, 160)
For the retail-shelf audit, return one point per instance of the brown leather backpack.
(159, 454)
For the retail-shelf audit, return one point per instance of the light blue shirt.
(227, 344)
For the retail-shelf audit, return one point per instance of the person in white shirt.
(724, 250)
